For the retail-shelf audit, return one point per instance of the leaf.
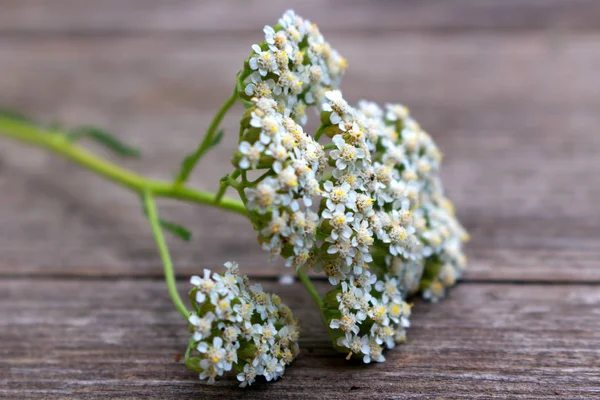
(193, 363)
(188, 162)
(15, 115)
(176, 230)
(217, 138)
(104, 138)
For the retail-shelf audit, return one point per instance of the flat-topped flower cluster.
(367, 208)
(294, 65)
(238, 327)
(360, 200)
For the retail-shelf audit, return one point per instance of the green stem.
(233, 183)
(60, 144)
(262, 177)
(319, 132)
(206, 143)
(311, 289)
(164, 253)
(189, 348)
(225, 184)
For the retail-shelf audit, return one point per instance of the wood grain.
(99, 339)
(509, 90)
(110, 17)
(514, 115)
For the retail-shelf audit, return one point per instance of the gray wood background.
(508, 88)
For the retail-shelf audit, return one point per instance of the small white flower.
(346, 155)
(263, 196)
(335, 270)
(251, 154)
(263, 61)
(259, 88)
(247, 376)
(364, 280)
(364, 234)
(339, 195)
(396, 111)
(370, 109)
(272, 369)
(202, 326)
(277, 40)
(346, 323)
(355, 344)
(287, 178)
(205, 285)
(339, 221)
(279, 225)
(291, 82)
(375, 353)
(390, 289)
(378, 313)
(215, 354)
(279, 153)
(344, 248)
(337, 106)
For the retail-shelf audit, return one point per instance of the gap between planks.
(274, 278)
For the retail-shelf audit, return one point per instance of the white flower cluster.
(290, 70)
(413, 155)
(282, 199)
(239, 327)
(367, 209)
(365, 323)
(293, 65)
(367, 214)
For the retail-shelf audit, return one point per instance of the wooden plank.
(100, 339)
(231, 16)
(516, 117)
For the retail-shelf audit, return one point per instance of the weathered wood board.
(121, 339)
(508, 88)
(521, 147)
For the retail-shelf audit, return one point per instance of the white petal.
(202, 347)
(195, 280)
(244, 163)
(335, 118)
(244, 147)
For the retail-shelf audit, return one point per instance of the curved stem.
(225, 184)
(262, 177)
(319, 132)
(207, 142)
(311, 289)
(60, 144)
(164, 253)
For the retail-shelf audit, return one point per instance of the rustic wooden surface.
(121, 338)
(509, 90)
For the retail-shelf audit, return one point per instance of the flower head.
(239, 327)
(367, 209)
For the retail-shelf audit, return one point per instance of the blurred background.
(509, 89)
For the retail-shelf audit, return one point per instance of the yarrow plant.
(359, 201)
